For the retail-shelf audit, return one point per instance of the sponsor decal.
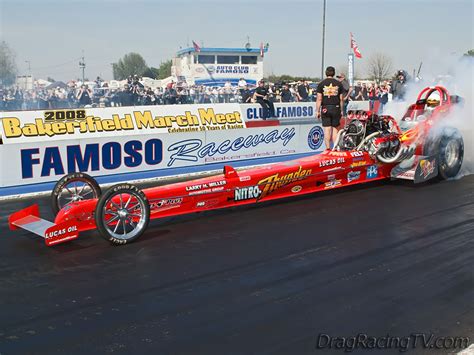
(190, 150)
(296, 189)
(206, 185)
(332, 184)
(315, 138)
(275, 181)
(372, 172)
(331, 177)
(60, 232)
(244, 178)
(330, 162)
(427, 167)
(282, 112)
(247, 193)
(91, 157)
(69, 122)
(338, 154)
(357, 154)
(410, 174)
(353, 176)
(232, 69)
(357, 164)
(207, 203)
(166, 203)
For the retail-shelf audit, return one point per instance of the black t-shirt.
(285, 95)
(303, 91)
(261, 91)
(330, 88)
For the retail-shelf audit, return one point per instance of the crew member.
(329, 105)
(399, 86)
(261, 96)
(346, 93)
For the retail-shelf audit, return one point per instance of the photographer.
(261, 96)
(84, 96)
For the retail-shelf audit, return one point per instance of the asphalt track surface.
(382, 258)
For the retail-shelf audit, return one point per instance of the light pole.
(82, 65)
(324, 34)
(29, 75)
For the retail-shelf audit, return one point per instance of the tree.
(151, 73)
(130, 64)
(288, 78)
(164, 70)
(469, 53)
(379, 67)
(8, 69)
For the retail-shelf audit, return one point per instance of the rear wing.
(28, 219)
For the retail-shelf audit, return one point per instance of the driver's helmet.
(433, 100)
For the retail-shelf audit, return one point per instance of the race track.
(385, 258)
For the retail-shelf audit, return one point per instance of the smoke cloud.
(456, 75)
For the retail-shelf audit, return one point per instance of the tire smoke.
(456, 75)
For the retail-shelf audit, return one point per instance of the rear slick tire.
(450, 154)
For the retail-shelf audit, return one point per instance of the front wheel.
(73, 187)
(450, 154)
(122, 214)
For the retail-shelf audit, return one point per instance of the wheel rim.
(124, 215)
(451, 154)
(74, 191)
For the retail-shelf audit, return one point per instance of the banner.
(47, 161)
(283, 111)
(53, 125)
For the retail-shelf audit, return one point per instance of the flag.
(262, 51)
(196, 47)
(355, 47)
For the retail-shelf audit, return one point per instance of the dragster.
(422, 146)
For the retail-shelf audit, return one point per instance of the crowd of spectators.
(135, 93)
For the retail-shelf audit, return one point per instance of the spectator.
(126, 96)
(170, 95)
(356, 94)
(285, 94)
(373, 95)
(246, 95)
(383, 97)
(227, 91)
(302, 91)
(84, 96)
(242, 85)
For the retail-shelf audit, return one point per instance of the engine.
(362, 125)
(370, 132)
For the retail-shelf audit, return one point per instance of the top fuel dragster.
(370, 147)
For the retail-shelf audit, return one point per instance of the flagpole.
(324, 33)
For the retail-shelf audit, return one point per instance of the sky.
(50, 36)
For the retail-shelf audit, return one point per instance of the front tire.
(73, 187)
(122, 214)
